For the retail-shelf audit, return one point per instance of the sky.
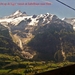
(53, 7)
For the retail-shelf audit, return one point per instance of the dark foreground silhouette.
(68, 70)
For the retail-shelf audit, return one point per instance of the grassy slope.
(31, 67)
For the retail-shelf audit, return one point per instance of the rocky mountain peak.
(24, 12)
(18, 12)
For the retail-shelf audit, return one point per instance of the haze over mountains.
(71, 21)
(38, 36)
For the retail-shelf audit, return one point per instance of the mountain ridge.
(32, 35)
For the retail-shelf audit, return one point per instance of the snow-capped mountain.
(18, 12)
(14, 18)
(18, 16)
(70, 20)
(24, 27)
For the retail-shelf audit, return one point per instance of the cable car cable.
(66, 5)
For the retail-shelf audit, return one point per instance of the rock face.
(6, 43)
(33, 33)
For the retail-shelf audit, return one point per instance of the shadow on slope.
(47, 40)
